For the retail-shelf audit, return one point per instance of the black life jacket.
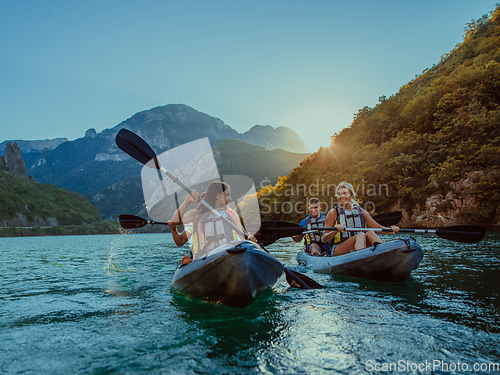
(353, 218)
(313, 223)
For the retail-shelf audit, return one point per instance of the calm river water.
(103, 305)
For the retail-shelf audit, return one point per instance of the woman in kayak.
(208, 230)
(348, 214)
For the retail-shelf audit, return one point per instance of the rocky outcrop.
(103, 156)
(14, 160)
(91, 133)
(35, 146)
(20, 221)
(445, 209)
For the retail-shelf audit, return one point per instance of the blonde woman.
(348, 214)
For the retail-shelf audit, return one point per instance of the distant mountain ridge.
(83, 165)
(232, 156)
(35, 146)
(94, 166)
(176, 124)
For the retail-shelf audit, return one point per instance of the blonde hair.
(348, 186)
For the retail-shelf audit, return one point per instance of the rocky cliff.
(35, 146)
(13, 160)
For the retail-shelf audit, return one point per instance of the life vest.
(210, 231)
(313, 223)
(353, 218)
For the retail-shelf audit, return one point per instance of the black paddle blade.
(136, 147)
(388, 219)
(271, 231)
(462, 233)
(298, 280)
(131, 221)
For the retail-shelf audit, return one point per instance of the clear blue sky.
(67, 66)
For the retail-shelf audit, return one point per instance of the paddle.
(136, 147)
(459, 233)
(133, 222)
(272, 230)
(388, 219)
(294, 278)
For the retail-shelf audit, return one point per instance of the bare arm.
(179, 239)
(331, 218)
(180, 216)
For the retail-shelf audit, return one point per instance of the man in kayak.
(209, 231)
(313, 241)
(348, 214)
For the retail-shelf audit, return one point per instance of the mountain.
(431, 150)
(233, 157)
(32, 209)
(94, 166)
(94, 162)
(269, 137)
(35, 146)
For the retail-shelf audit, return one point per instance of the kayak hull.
(232, 277)
(390, 262)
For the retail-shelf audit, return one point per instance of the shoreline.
(104, 227)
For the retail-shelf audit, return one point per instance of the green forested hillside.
(439, 133)
(40, 202)
(261, 165)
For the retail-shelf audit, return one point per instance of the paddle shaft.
(434, 231)
(178, 181)
(136, 147)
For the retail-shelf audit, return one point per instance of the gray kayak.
(233, 277)
(391, 261)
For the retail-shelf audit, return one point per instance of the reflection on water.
(103, 304)
(232, 331)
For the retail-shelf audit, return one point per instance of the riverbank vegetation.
(32, 209)
(103, 227)
(439, 132)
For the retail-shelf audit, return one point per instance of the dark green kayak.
(232, 277)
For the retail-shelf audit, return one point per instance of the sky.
(68, 66)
